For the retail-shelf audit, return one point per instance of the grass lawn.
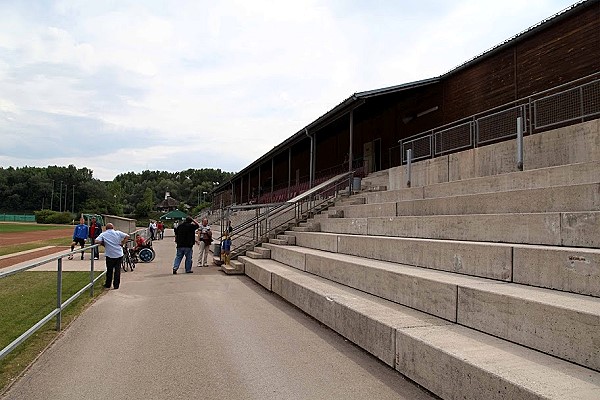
(12, 227)
(27, 297)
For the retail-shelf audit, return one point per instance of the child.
(225, 247)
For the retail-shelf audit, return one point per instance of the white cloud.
(216, 83)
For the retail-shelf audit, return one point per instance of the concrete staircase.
(482, 288)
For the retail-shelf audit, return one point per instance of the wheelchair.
(144, 254)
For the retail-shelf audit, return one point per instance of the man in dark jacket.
(185, 237)
(95, 231)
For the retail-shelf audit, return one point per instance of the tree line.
(74, 190)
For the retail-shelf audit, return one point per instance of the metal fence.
(60, 305)
(16, 218)
(568, 103)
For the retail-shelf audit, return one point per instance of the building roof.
(175, 214)
(358, 98)
(169, 202)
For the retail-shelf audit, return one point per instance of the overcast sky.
(119, 86)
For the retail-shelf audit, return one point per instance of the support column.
(289, 170)
(311, 161)
(350, 153)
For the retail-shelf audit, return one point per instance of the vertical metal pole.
(350, 154)
(59, 294)
(289, 172)
(92, 276)
(408, 167)
(256, 225)
(519, 144)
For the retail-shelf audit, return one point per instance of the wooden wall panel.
(480, 87)
(564, 51)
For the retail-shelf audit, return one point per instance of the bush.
(53, 217)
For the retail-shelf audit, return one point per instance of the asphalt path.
(204, 335)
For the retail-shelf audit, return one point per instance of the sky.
(118, 86)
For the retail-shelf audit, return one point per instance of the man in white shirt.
(112, 240)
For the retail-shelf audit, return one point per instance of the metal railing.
(572, 101)
(274, 218)
(60, 305)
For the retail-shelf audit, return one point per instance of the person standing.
(113, 241)
(226, 248)
(185, 235)
(152, 229)
(160, 227)
(80, 235)
(94, 231)
(204, 240)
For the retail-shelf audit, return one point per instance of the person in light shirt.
(113, 241)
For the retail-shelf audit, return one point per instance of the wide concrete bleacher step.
(572, 198)
(569, 269)
(576, 229)
(451, 361)
(561, 175)
(562, 324)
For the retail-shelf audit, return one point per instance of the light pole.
(73, 201)
(60, 198)
(204, 197)
(52, 196)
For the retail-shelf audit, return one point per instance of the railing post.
(92, 276)
(408, 167)
(59, 294)
(255, 230)
(519, 144)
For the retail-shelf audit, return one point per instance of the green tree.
(144, 208)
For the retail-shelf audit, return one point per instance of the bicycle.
(127, 263)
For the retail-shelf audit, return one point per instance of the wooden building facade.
(367, 126)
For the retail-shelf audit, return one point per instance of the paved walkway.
(202, 336)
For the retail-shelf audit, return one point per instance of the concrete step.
(557, 229)
(352, 200)
(449, 360)
(321, 216)
(569, 269)
(254, 254)
(309, 226)
(493, 261)
(277, 241)
(263, 251)
(234, 268)
(574, 198)
(374, 188)
(561, 324)
(562, 175)
(289, 239)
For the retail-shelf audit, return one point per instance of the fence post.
(92, 276)
(59, 294)
(519, 144)
(408, 166)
